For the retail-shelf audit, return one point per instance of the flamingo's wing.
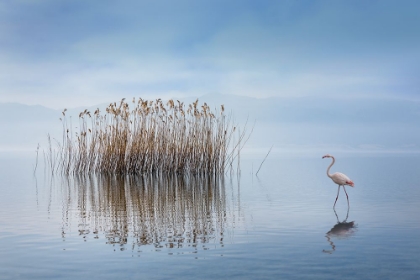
(341, 179)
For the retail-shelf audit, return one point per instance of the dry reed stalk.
(263, 161)
(152, 137)
(36, 160)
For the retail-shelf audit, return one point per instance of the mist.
(307, 126)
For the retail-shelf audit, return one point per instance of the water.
(279, 224)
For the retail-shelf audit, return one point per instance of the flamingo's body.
(339, 178)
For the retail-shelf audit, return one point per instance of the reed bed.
(151, 137)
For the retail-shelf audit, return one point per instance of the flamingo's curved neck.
(329, 167)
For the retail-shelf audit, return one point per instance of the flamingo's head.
(327, 156)
(350, 183)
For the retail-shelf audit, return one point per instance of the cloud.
(58, 53)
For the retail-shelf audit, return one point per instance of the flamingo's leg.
(338, 192)
(347, 196)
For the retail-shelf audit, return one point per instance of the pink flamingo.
(339, 178)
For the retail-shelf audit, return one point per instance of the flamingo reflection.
(341, 230)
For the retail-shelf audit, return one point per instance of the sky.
(81, 53)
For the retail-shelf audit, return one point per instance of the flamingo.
(339, 178)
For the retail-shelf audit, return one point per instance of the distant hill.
(318, 110)
(15, 112)
(273, 109)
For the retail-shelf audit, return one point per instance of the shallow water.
(279, 224)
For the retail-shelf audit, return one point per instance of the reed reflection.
(341, 230)
(163, 211)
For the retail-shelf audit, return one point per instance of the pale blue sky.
(81, 53)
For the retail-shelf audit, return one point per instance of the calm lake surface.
(279, 225)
